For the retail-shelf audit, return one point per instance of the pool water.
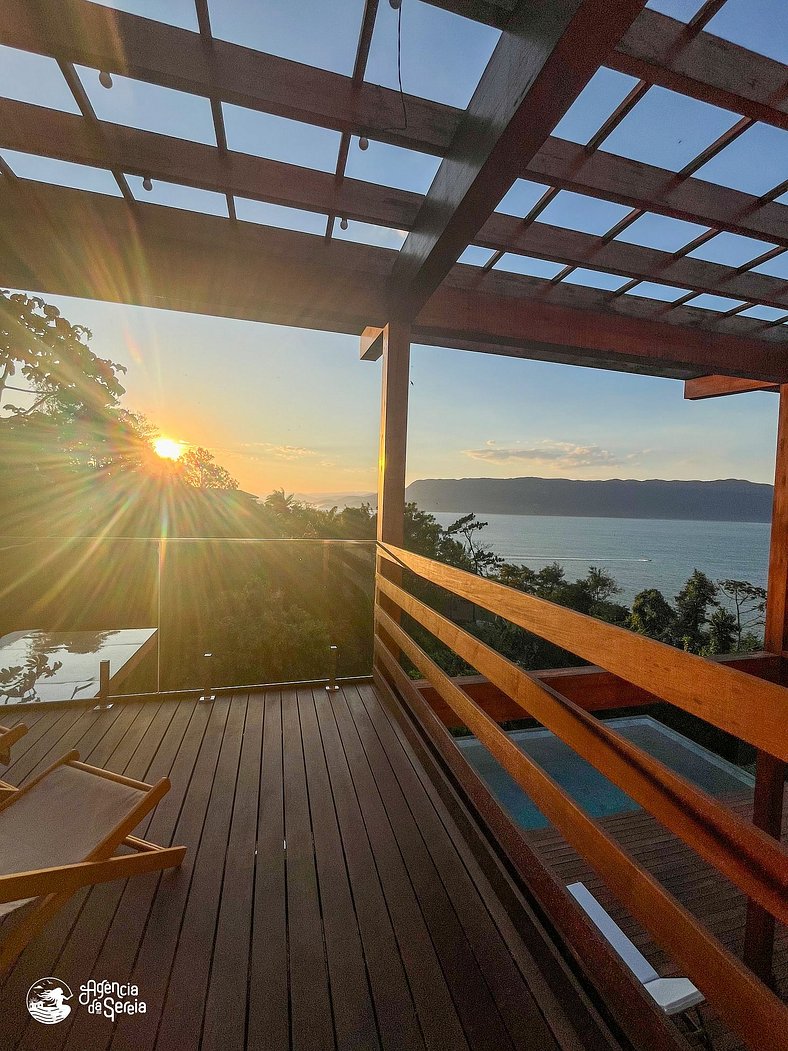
(595, 794)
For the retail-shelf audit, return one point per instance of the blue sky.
(296, 408)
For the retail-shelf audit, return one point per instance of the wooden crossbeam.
(660, 50)
(704, 67)
(73, 243)
(38, 130)
(637, 185)
(119, 42)
(720, 386)
(92, 35)
(545, 57)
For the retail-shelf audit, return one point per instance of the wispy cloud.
(558, 456)
(271, 451)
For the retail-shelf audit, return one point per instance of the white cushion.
(674, 995)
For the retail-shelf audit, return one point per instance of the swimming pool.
(598, 796)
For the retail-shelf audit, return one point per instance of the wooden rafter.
(35, 129)
(60, 240)
(544, 59)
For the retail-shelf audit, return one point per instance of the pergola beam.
(665, 51)
(130, 45)
(59, 241)
(637, 185)
(705, 67)
(720, 386)
(36, 129)
(545, 57)
(89, 34)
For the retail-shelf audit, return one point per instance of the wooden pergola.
(70, 242)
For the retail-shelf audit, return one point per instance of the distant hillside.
(724, 500)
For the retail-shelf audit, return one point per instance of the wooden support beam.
(659, 50)
(720, 386)
(89, 34)
(769, 771)
(372, 342)
(543, 60)
(705, 67)
(118, 42)
(395, 387)
(69, 242)
(46, 132)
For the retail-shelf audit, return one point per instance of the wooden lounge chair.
(9, 737)
(674, 996)
(69, 828)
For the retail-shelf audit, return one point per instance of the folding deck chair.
(62, 831)
(9, 737)
(674, 996)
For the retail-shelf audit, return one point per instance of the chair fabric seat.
(60, 821)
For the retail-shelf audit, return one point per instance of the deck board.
(327, 899)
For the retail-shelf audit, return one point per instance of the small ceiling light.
(147, 183)
(343, 224)
(395, 5)
(363, 143)
(105, 79)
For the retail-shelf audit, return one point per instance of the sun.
(167, 448)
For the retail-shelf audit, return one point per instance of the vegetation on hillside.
(75, 465)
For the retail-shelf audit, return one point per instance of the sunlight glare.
(167, 448)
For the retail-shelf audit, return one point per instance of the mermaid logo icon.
(46, 1000)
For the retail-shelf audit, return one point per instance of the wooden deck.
(701, 889)
(327, 900)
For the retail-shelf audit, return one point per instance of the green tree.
(692, 609)
(198, 467)
(652, 615)
(52, 357)
(722, 631)
(749, 602)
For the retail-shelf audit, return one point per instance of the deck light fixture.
(343, 224)
(105, 79)
(147, 183)
(363, 143)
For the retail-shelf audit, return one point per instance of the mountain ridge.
(721, 499)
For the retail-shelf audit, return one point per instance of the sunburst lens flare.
(167, 448)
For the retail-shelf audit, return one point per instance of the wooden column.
(770, 772)
(393, 433)
(393, 446)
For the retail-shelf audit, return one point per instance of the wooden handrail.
(751, 709)
(754, 861)
(743, 1002)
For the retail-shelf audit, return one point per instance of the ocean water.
(638, 552)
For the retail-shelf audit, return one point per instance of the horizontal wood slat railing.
(726, 697)
(755, 862)
(747, 1005)
(754, 710)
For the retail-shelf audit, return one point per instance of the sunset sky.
(296, 409)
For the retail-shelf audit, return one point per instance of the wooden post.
(393, 434)
(393, 445)
(769, 771)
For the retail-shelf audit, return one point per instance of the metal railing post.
(103, 694)
(332, 687)
(207, 694)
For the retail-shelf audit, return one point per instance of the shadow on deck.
(327, 899)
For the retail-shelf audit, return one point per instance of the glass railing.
(266, 611)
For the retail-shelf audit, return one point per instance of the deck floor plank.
(327, 899)
(354, 1017)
